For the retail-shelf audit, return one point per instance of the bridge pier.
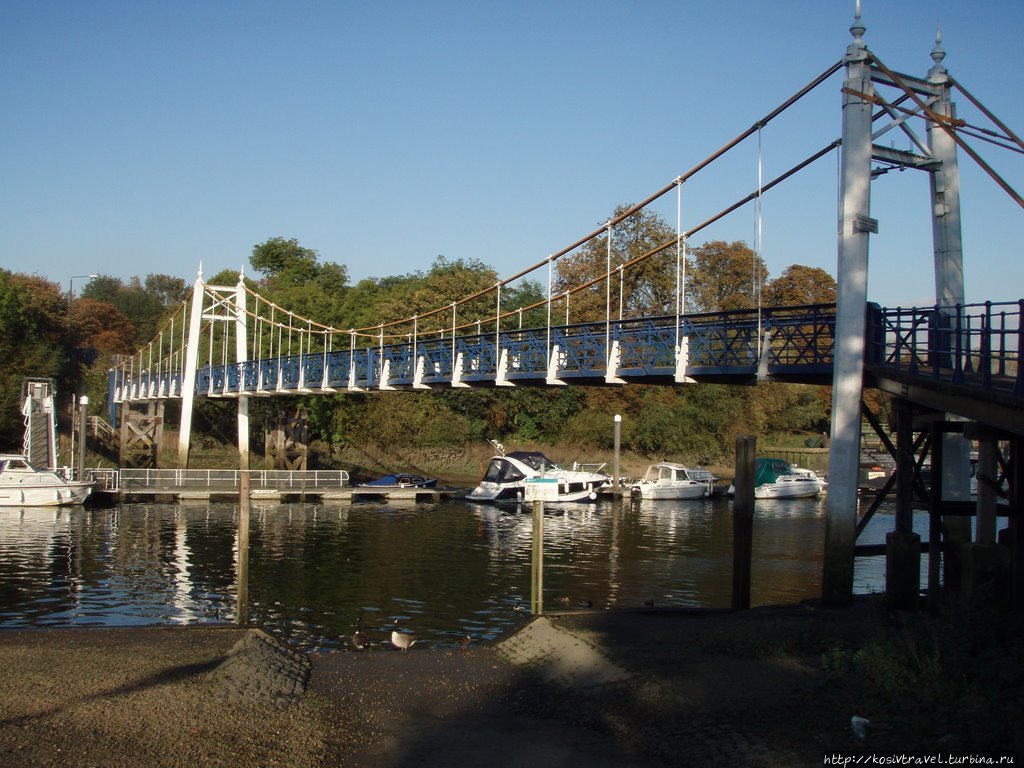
(848, 355)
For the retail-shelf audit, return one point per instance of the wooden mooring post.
(743, 521)
(537, 560)
(242, 605)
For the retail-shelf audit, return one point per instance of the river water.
(445, 570)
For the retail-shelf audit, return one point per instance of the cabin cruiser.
(778, 479)
(509, 474)
(667, 480)
(22, 485)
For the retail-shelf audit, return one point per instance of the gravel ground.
(598, 689)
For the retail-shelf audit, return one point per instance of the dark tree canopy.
(800, 285)
(723, 276)
(644, 288)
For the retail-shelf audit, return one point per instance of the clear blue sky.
(146, 137)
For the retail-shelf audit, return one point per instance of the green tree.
(34, 342)
(145, 306)
(293, 277)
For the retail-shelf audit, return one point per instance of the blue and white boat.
(399, 481)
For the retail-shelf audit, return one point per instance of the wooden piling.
(537, 560)
(743, 521)
(242, 605)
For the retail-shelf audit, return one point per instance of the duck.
(464, 642)
(401, 639)
(360, 640)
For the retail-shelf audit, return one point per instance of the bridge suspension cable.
(270, 335)
(945, 124)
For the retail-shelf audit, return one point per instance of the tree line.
(45, 332)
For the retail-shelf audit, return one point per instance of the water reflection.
(444, 569)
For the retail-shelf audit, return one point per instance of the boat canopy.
(769, 470)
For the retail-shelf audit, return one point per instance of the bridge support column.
(241, 355)
(852, 272)
(947, 245)
(188, 382)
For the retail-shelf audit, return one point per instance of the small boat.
(508, 475)
(667, 480)
(778, 479)
(399, 481)
(22, 485)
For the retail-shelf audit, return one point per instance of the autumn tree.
(799, 285)
(723, 276)
(647, 287)
(102, 327)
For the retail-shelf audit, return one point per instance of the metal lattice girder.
(976, 347)
(583, 348)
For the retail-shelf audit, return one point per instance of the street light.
(71, 284)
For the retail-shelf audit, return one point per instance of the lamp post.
(71, 284)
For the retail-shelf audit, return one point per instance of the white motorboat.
(778, 479)
(509, 474)
(667, 480)
(22, 485)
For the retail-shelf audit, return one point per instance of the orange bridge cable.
(992, 138)
(944, 123)
(603, 228)
(831, 70)
(671, 243)
(1009, 134)
(739, 203)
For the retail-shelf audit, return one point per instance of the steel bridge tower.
(937, 156)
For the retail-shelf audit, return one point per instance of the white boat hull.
(509, 474)
(35, 494)
(791, 489)
(516, 492)
(654, 491)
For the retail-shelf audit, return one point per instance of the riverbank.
(771, 686)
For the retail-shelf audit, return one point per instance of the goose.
(402, 640)
(359, 638)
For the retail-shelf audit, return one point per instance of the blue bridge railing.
(976, 346)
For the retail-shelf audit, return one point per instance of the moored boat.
(22, 485)
(668, 480)
(405, 480)
(508, 475)
(778, 479)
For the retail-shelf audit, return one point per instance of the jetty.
(280, 486)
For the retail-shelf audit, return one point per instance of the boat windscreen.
(534, 460)
(502, 471)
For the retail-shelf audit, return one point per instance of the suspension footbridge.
(947, 365)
